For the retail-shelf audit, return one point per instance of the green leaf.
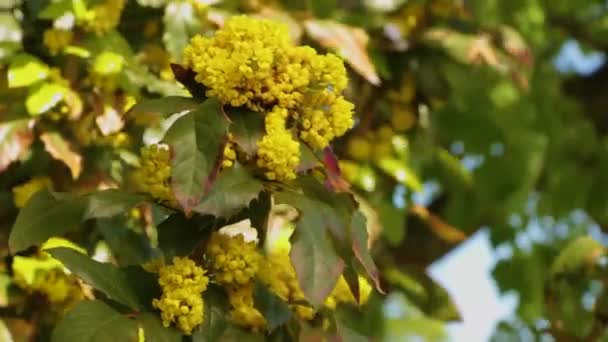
(43, 98)
(234, 189)
(178, 235)
(215, 321)
(361, 249)
(181, 23)
(196, 139)
(579, 255)
(26, 70)
(16, 136)
(55, 9)
(128, 246)
(401, 172)
(163, 107)
(45, 216)
(317, 265)
(108, 203)
(154, 331)
(94, 321)
(105, 277)
(5, 334)
(274, 309)
(247, 129)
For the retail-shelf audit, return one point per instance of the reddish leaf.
(350, 43)
(61, 150)
(15, 139)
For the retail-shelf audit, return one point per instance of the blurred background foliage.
(464, 122)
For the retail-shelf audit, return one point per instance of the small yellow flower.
(182, 284)
(154, 173)
(234, 261)
(104, 16)
(243, 312)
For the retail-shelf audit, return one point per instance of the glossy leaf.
(274, 309)
(247, 128)
(154, 331)
(234, 189)
(44, 216)
(105, 277)
(195, 139)
(94, 321)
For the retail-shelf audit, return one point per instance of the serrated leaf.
(61, 149)
(94, 321)
(154, 331)
(15, 139)
(45, 216)
(105, 277)
(181, 23)
(234, 189)
(274, 309)
(108, 203)
(247, 128)
(26, 70)
(317, 264)
(361, 249)
(350, 43)
(195, 139)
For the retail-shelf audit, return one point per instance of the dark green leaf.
(105, 277)
(274, 309)
(196, 139)
(108, 203)
(178, 236)
(215, 321)
(94, 321)
(234, 189)
(247, 129)
(45, 216)
(128, 246)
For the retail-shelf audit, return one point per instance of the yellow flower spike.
(234, 261)
(243, 312)
(182, 284)
(22, 193)
(154, 174)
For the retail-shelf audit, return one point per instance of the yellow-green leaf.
(41, 99)
(26, 70)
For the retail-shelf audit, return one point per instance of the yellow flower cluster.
(229, 153)
(243, 311)
(56, 39)
(182, 284)
(104, 16)
(22, 193)
(251, 62)
(233, 260)
(280, 276)
(154, 173)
